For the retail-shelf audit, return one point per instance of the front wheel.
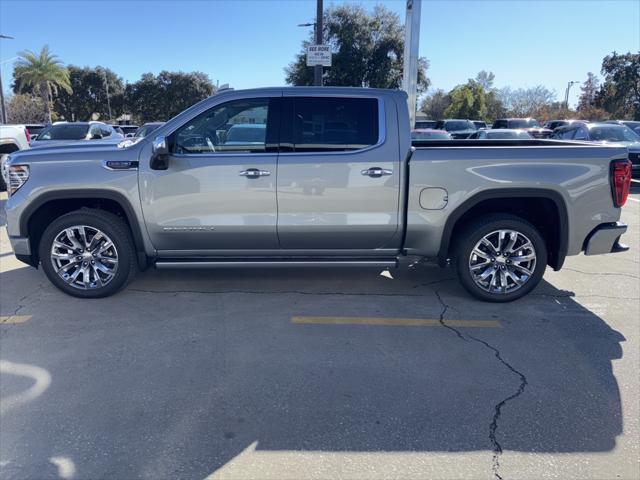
(500, 258)
(88, 253)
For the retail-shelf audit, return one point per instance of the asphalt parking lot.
(288, 374)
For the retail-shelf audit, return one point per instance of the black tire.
(114, 228)
(485, 225)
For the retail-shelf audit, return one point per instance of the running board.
(268, 263)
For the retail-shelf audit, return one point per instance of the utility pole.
(411, 50)
(2, 105)
(566, 94)
(317, 70)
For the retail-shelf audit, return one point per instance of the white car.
(12, 139)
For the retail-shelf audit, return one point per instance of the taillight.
(620, 181)
(27, 134)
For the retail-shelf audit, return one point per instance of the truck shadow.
(185, 370)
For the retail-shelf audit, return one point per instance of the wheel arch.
(35, 218)
(549, 215)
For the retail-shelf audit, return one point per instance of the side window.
(106, 131)
(581, 134)
(94, 130)
(500, 124)
(238, 126)
(326, 124)
(568, 135)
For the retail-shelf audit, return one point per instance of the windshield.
(455, 125)
(430, 136)
(64, 132)
(145, 130)
(613, 133)
(523, 123)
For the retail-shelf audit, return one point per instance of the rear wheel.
(88, 253)
(501, 258)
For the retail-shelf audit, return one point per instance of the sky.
(247, 43)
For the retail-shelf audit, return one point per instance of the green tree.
(167, 94)
(89, 95)
(485, 79)
(589, 92)
(367, 50)
(467, 101)
(43, 73)
(620, 91)
(435, 104)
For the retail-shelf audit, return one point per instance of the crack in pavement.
(605, 274)
(493, 426)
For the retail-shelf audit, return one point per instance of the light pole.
(566, 95)
(317, 33)
(411, 47)
(106, 87)
(2, 106)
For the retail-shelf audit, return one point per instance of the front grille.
(635, 158)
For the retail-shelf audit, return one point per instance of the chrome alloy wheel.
(84, 257)
(502, 261)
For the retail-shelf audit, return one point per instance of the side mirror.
(160, 156)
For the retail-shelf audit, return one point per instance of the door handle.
(375, 172)
(254, 173)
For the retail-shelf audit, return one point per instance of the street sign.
(319, 55)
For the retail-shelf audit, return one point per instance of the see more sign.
(319, 55)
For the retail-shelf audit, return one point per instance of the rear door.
(338, 174)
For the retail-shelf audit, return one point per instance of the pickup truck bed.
(329, 177)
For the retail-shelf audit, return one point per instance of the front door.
(218, 195)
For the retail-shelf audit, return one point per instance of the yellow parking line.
(394, 322)
(4, 319)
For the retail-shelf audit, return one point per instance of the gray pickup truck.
(301, 177)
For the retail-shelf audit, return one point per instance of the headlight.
(18, 176)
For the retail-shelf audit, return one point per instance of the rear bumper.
(605, 238)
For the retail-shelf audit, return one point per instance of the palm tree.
(43, 73)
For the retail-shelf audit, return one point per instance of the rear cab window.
(330, 124)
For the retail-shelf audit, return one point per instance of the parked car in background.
(430, 134)
(146, 129)
(479, 124)
(553, 124)
(34, 129)
(604, 133)
(68, 132)
(456, 127)
(500, 134)
(12, 139)
(422, 124)
(128, 130)
(117, 129)
(632, 124)
(531, 125)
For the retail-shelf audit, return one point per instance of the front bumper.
(605, 238)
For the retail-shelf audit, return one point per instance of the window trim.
(382, 130)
